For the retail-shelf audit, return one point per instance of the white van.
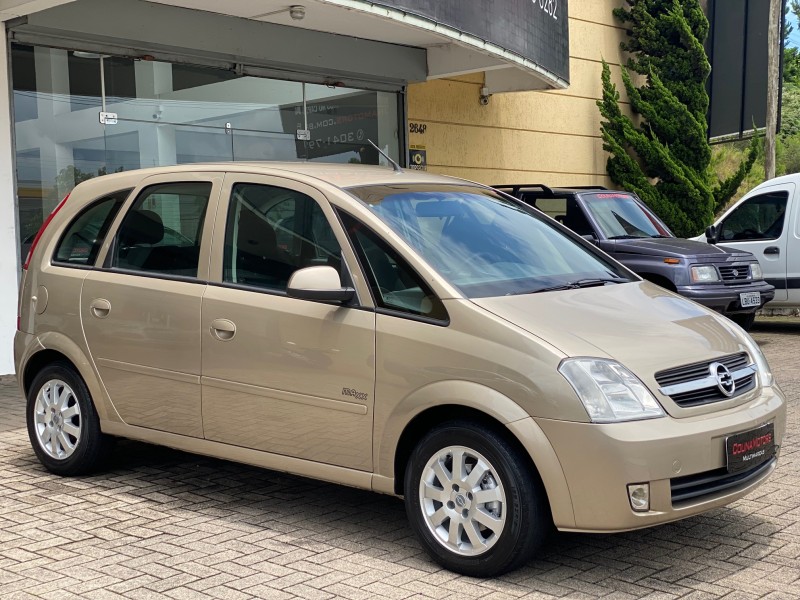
(766, 222)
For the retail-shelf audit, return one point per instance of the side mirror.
(712, 234)
(592, 238)
(318, 283)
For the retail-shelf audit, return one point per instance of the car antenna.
(397, 168)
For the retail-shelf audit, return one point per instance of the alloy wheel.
(463, 500)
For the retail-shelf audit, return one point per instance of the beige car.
(407, 333)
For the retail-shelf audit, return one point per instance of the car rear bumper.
(682, 460)
(726, 299)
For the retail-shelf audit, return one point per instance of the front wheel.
(473, 501)
(63, 425)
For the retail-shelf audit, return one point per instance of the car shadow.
(309, 514)
(782, 325)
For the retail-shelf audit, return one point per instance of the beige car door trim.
(259, 458)
(348, 407)
(151, 371)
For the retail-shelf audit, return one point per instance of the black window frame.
(306, 215)
(785, 194)
(110, 259)
(119, 197)
(349, 222)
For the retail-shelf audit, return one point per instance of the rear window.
(84, 236)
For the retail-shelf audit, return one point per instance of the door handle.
(100, 307)
(223, 329)
(772, 250)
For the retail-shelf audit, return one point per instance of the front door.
(288, 376)
(761, 225)
(141, 311)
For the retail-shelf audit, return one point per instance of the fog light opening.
(639, 495)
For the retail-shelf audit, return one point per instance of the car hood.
(678, 248)
(641, 325)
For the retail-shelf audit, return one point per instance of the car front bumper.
(599, 461)
(726, 299)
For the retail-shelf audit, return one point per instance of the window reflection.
(172, 114)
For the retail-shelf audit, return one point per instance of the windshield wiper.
(625, 237)
(593, 281)
(574, 285)
(658, 235)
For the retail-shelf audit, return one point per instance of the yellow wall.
(548, 137)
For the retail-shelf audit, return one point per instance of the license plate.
(750, 448)
(748, 299)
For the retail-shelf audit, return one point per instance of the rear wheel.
(63, 425)
(745, 321)
(473, 501)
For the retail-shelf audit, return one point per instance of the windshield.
(484, 244)
(620, 216)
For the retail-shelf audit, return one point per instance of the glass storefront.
(171, 113)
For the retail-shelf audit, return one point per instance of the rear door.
(141, 311)
(760, 224)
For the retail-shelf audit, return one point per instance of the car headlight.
(609, 391)
(755, 271)
(764, 371)
(704, 274)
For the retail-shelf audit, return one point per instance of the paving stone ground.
(165, 524)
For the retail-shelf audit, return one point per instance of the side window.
(82, 239)
(566, 211)
(394, 283)
(162, 230)
(271, 232)
(757, 218)
(553, 207)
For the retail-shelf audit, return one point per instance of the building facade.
(99, 86)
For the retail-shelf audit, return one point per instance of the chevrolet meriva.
(407, 333)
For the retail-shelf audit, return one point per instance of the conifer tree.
(665, 156)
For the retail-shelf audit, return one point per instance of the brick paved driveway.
(163, 524)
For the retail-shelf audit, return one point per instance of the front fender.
(490, 402)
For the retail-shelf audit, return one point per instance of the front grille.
(705, 392)
(691, 487)
(740, 273)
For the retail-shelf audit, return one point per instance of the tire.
(490, 519)
(745, 321)
(63, 426)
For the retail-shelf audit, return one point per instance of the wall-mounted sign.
(536, 30)
(336, 125)
(418, 158)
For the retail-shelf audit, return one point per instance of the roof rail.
(585, 187)
(516, 187)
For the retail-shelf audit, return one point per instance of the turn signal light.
(672, 261)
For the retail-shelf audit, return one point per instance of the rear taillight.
(41, 231)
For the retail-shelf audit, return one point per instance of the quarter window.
(395, 284)
(757, 218)
(82, 240)
(162, 231)
(271, 232)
